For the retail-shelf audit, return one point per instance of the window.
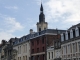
(18, 49)
(52, 54)
(79, 46)
(66, 49)
(79, 31)
(64, 35)
(59, 44)
(23, 58)
(74, 47)
(26, 47)
(43, 48)
(68, 35)
(55, 44)
(26, 57)
(32, 50)
(38, 58)
(39, 29)
(43, 40)
(13, 43)
(62, 50)
(37, 42)
(32, 58)
(62, 38)
(10, 52)
(43, 57)
(19, 40)
(37, 49)
(73, 33)
(69, 49)
(44, 28)
(49, 55)
(20, 58)
(32, 43)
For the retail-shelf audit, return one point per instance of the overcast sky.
(17, 17)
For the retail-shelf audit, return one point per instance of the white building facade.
(50, 53)
(23, 50)
(70, 47)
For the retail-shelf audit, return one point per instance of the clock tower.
(41, 25)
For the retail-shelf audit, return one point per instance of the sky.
(17, 17)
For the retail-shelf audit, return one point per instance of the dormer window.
(19, 40)
(71, 33)
(79, 31)
(64, 35)
(68, 35)
(74, 33)
(39, 29)
(13, 43)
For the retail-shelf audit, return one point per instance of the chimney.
(31, 31)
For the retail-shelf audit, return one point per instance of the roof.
(37, 34)
(74, 26)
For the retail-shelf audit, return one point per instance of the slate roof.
(37, 34)
(74, 26)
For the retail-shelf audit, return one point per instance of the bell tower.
(41, 25)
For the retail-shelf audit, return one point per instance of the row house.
(70, 46)
(22, 46)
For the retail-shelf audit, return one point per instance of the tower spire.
(41, 16)
(41, 9)
(41, 25)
